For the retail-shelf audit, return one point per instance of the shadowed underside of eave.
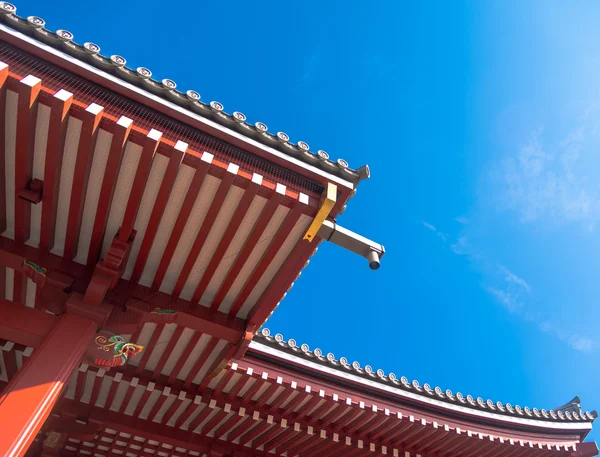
(201, 230)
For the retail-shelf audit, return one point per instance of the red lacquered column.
(28, 399)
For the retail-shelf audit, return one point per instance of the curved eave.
(75, 58)
(419, 399)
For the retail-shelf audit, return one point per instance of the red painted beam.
(116, 381)
(117, 146)
(263, 221)
(128, 395)
(193, 406)
(306, 442)
(91, 117)
(207, 225)
(425, 434)
(3, 77)
(19, 288)
(310, 405)
(411, 425)
(150, 348)
(218, 364)
(28, 399)
(445, 442)
(174, 407)
(198, 318)
(23, 325)
(167, 352)
(223, 382)
(207, 351)
(228, 425)
(202, 167)
(59, 119)
(80, 382)
(276, 430)
(238, 386)
(282, 439)
(282, 233)
(329, 449)
(2, 281)
(384, 429)
(250, 435)
(241, 429)
(28, 89)
(98, 379)
(320, 441)
(14, 261)
(184, 356)
(159, 403)
(201, 417)
(286, 275)
(168, 435)
(149, 147)
(144, 399)
(177, 154)
(228, 236)
(8, 353)
(358, 422)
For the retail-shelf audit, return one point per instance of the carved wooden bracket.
(108, 271)
(33, 192)
(242, 346)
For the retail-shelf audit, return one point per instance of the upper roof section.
(214, 112)
(454, 403)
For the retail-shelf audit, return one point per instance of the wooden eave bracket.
(588, 449)
(242, 346)
(33, 192)
(108, 271)
(328, 200)
(57, 292)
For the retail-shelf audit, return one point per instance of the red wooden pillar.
(28, 399)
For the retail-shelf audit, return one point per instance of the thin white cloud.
(461, 247)
(576, 341)
(431, 227)
(513, 297)
(506, 299)
(580, 343)
(512, 291)
(509, 289)
(462, 220)
(548, 181)
(510, 277)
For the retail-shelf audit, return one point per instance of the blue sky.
(480, 122)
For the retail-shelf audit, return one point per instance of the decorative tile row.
(167, 88)
(571, 413)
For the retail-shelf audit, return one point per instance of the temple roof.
(570, 412)
(141, 77)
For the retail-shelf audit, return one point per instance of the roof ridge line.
(89, 52)
(425, 390)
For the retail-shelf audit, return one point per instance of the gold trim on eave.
(327, 201)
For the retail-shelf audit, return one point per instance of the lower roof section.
(300, 359)
(257, 407)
